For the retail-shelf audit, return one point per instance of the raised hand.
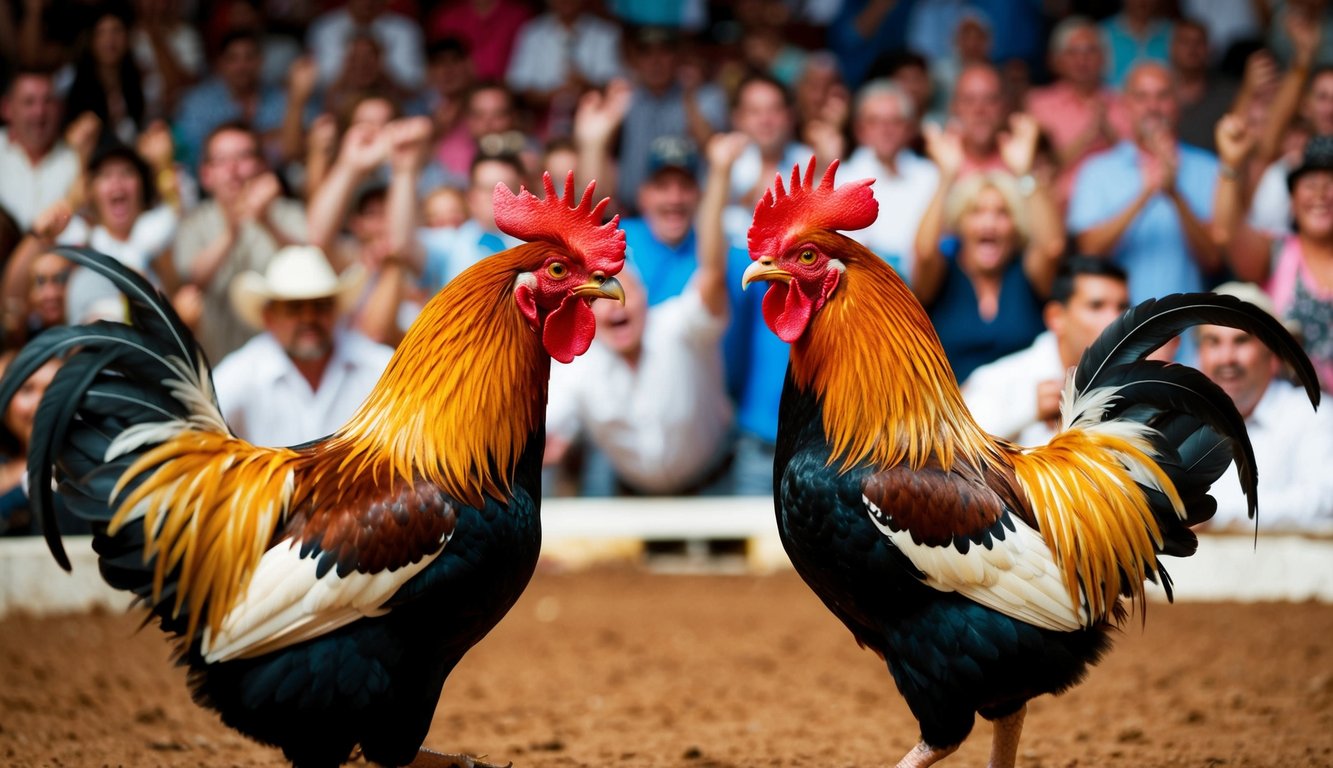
(81, 135)
(156, 146)
(51, 222)
(1235, 141)
(302, 79)
(408, 139)
(944, 148)
(364, 147)
(600, 114)
(259, 192)
(724, 148)
(1018, 146)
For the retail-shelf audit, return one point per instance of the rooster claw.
(427, 758)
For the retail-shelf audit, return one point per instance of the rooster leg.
(1004, 739)
(427, 758)
(923, 755)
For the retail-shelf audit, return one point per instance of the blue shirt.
(664, 269)
(209, 104)
(971, 341)
(1153, 249)
(756, 359)
(449, 251)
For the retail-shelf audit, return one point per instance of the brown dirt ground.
(616, 666)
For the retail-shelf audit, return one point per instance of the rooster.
(984, 573)
(321, 594)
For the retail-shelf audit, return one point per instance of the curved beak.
(764, 269)
(601, 287)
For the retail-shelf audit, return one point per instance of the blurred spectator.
(106, 79)
(169, 55)
(233, 93)
(1018, 396)
(279, 51)
(670, 97)
(985, 300)
(560, 54)
(445, 207)
(332, 35)
(884, 125)
(1293, 445)
(664, 363)
(1135, 35)
(38, 168)
(124, 222)
(242, 224)
(45, 305)
(1288, 15)
(1146, 202)
(762, 110)
(662, 241)
(362, 74)
(969, 44)
(979, 115)
(822, 105)
(1229, 24)
(1077, 112)
(305, 375)
(1297, 269)
(911, 72)
(16, 518)
(764, 43)
(487, 28)
(449, 252)
(1204, 97)
(449, 81)
(689, 15)
(864, 30)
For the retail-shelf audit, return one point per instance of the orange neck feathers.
(464, 392)
(872, 356)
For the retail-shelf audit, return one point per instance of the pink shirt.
(1064, 115)
(489, 37)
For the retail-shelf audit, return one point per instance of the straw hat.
(295, 273)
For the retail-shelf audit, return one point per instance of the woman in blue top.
(985, 283)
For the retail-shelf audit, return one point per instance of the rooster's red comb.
(782, 214)
(559, 221)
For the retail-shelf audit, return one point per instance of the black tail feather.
(1145, 328)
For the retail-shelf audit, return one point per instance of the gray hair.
(1066, 29)
(885, 87)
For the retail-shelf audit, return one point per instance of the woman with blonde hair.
(987, 249)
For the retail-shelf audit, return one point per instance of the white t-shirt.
(27, 190)
(903, 199)
(268, 402)
(663, 424)
(89, 295)
(1002, 395)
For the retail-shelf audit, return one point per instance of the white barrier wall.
(579, 532)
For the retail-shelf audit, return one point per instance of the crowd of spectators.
(1039, 166)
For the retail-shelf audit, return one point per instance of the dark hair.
(755, 76)
(86, 93)
(888, 64)
(373, 191)
(446, 46)
(237, 126)
(22, 72)
(1073, 267)
(238, 35)
(114, 150)
(507, 158)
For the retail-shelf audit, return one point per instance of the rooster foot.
(427, 758)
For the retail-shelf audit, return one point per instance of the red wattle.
(787, 311)
(569, 329)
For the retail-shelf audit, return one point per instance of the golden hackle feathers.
(888, 397)
(888, 393)
(459, 401)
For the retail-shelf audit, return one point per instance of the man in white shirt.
(36, 166)
(1293, 445)
(399, 38)
(669, 430)
(304, 376)
(1018, 396)
(884, 123)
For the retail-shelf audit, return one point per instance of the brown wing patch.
(368, 529)
(936, 506)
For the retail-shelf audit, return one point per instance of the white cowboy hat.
(295, 273)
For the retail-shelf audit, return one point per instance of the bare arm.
(363, 148)
(45, 229)
(1046, 243)
(711, 274)
(301, 82)
(1248, 249)
(930, 267)
(596, 121)
(1305, 41)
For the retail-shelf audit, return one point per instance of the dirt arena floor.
(618, 667)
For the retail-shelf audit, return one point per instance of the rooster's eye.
(807, 256)
(557, 270)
